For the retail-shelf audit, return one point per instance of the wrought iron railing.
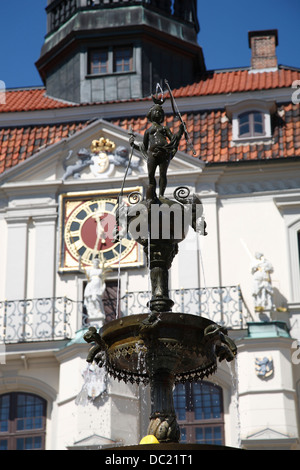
(60, 11)
(59, 318)
(223, 305)
(36, 319)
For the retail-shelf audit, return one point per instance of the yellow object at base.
(150, 439)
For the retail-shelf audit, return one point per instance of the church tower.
(103, 50)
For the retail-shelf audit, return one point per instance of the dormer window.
(251, 121)
(251, 124)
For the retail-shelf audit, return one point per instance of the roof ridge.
(210, 83)
(26, 88)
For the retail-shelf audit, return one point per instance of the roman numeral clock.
(87, 224)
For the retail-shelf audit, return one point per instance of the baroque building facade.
(64, 153)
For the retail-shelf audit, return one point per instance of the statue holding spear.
(159, 144)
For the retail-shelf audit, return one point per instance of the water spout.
(233, 368)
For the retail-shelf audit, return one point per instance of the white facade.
(247, 209)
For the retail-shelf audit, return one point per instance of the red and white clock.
(88, 226)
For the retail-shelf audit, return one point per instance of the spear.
(116, 234)
(177, 113)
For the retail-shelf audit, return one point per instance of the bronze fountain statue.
(161, 348)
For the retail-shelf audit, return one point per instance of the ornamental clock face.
(88, 232)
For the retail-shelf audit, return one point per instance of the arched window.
(199, 409)
(22, 421)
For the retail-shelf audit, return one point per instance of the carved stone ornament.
(102, 158)
(264, 367)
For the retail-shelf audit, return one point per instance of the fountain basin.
(181, 343)
(162, 350)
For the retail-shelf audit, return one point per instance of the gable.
(267, 434)
(96, 150)
(93, 442)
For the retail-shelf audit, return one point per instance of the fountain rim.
(177, 333)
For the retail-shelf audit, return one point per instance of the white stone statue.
(262, 285)
(94, 290)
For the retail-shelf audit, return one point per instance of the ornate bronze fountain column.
(162, 348)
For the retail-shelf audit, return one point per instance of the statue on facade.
(121, 157)
(94, 291)
(262, 285)
(74, 169)
(102, 158)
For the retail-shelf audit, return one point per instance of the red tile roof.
(211, 133)
(239, 81)
(19, 143)
(33, 99)
(211, 84)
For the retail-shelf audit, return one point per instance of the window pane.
(199, 436)
(244, 129)
(244, 118)
(208, 435)
(216, 405)
(20, 444)
(251, 124)
(29, 412)
(257, 117)
(244, 124)
(204, 404)
(258, 123)
(3, 444)
(20, 413)
(179, 402)
(258, 129)
(29, 443)
(4, 413)
(38, 442)
(218, 435)
(99, 62)
(123, 60)
(183, 435)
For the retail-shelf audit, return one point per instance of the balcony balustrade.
(58, 318)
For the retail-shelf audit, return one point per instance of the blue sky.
(223, 36)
